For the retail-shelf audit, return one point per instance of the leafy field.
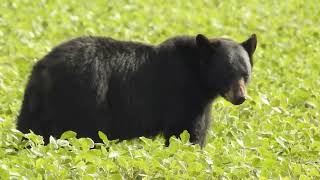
(274, 135)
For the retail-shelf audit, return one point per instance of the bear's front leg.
(200, 128)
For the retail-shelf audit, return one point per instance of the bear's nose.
(239, 100)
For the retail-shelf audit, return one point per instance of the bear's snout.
(239, 100)
(236, 93)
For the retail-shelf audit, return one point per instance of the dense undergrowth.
(275, 134)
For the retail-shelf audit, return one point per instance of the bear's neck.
(181, 56)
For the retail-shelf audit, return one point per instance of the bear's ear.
(250, 45)
(202, 41)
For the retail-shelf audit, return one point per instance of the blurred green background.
(273, 135)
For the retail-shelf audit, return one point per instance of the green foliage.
(275, 134)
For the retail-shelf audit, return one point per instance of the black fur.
(129, 89)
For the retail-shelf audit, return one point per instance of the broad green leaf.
(68, 135)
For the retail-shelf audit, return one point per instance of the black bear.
(130, 89)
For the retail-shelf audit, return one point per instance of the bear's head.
(226, 66)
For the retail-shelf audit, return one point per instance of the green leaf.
(86, 143)
(185, 136)
(4, 173)
(103, 137)
(68, 135)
